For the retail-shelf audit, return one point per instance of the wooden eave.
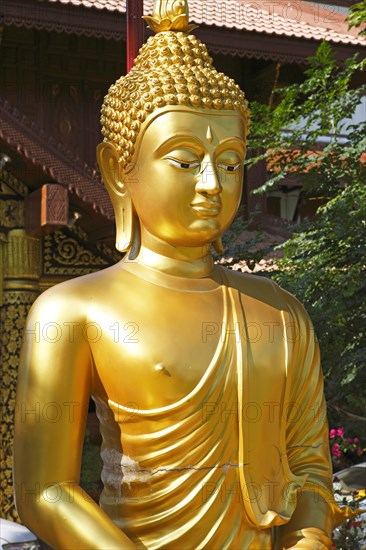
(41, 159)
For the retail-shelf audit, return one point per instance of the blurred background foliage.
(324, 263)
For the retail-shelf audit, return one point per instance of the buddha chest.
(156, 343)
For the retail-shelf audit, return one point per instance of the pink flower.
(354, 524)
(332, 434)
(336, 451)
(356, 440)
(348, 440)
(359, 451)
(340, 432)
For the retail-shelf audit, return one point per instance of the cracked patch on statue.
(225, 468)
(314, 446)
(119, 468)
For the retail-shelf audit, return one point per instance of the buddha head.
(174, 139)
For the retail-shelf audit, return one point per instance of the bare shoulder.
(71, 300)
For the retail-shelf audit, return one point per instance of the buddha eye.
(229, 167)
(183, 164)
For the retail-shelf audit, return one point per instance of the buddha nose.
(208, 180)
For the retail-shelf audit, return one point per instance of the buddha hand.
(307, 539)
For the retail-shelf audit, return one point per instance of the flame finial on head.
(170, 15)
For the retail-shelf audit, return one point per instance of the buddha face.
(187, 179)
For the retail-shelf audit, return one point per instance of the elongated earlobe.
(126, 222)
(218, 246)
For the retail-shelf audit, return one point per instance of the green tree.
(357, 16)
(307, 114)
(324, 265)
(305, 136)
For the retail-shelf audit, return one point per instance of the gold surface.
(23, 256)
(170, 15)
(172, 68)
(15, 304)
(19, 273)
(207, 382)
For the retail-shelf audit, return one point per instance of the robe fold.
(227, 464)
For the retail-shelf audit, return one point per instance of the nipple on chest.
(161, 369)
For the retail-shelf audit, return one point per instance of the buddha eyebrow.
(189, 137)
(234, 141)
(178, 137)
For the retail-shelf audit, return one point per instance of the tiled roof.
(300, 19)
(18, 132)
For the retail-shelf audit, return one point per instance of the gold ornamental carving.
(22, 256)
(19, 273)
(13, 313)
(68, 254)
(11, 213)
(10, 185)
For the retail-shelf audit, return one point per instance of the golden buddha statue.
(206, 381)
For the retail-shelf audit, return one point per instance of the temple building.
(58, 58)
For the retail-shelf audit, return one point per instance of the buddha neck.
(192, 265)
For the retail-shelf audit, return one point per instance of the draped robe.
(227, 464)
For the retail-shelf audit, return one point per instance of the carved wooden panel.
(46, 209)
(67, 253)
(63, 112)
(59, 81)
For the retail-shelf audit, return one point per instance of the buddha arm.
(55, 381)
(307, 443)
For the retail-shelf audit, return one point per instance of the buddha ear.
(112, 174)
(110, 168)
